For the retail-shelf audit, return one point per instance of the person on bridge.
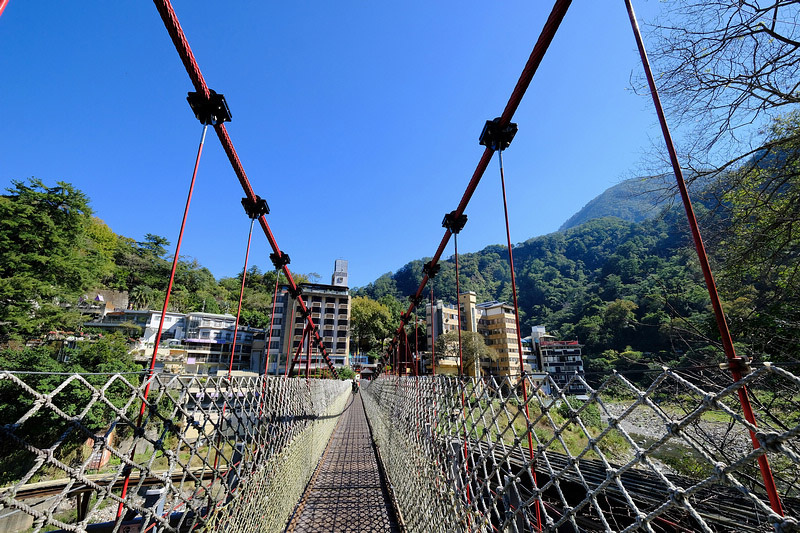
(355, 386)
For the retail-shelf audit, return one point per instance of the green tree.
(47, 258)
(370, 323)
(43, 428)
(473, 349)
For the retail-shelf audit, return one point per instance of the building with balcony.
(330, 310)
(562, 360)
(494, 320)
(199, 343)
(498, 326)
(145, 321)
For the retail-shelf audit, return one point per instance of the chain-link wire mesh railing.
(232, 453)
(674, 455)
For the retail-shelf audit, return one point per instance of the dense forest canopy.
(53, 251)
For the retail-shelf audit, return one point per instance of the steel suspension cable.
(271, 322)
(519, 338)
(433, 334)
(289, 344)
(458, 312)
(737, 365)
(164, 308)
(241, 296)
(186, 55)
(543, 42)
(417, 358)
(461, 367)
(308, 355)
(235, 333)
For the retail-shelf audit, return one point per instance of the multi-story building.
(146, 321)
(498, 326)
(209, 340)
(330, 311)
(442, 318)
(199, 342)
(561, 359)
(494, 320)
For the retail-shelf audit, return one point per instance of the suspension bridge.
(408, 452)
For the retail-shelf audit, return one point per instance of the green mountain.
(634, 200)
(622, 276)
(609, 283)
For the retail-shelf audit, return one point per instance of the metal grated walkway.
(346, 492)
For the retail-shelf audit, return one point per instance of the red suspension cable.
(308, 356)
(433, 334)
(461, 368)
(546, 36)
(164, 308)
(458, 312)
(519, 336)
(178, 37)
(417, 358)
(735, 363)
(241, 295)
(289, 344)
(271, 322)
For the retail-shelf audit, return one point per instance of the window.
(277, 321)
(204, 335)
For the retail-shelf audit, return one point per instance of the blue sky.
(357, 121)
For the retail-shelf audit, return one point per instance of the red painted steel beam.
(735, 362)
(178, 37)
(3, 4)
(531, 66)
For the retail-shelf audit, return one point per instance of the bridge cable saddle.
(431, 270)
(454, 223)
(209, 111)
(296, 292)
(495, 137)
(279, 261)
(255, 208)
(739, 363)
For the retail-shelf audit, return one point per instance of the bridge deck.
(346, 492)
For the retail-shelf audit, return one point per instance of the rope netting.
(68, 442)
(672, 456)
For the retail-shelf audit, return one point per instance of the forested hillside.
(634, 200)
(632, 291)
(53, 251)
(605, 282)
